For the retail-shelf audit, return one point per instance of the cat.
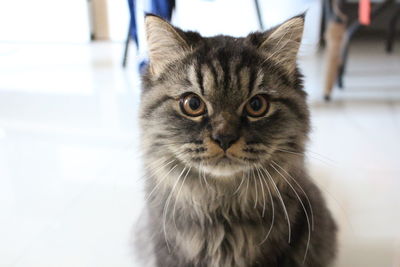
(224, 125)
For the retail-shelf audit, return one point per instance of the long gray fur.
(259, 210)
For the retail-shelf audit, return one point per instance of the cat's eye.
(192, 105)
(257, 106)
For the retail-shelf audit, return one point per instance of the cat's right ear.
(165, 43)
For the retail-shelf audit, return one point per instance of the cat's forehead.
(219, 80)
(225, 74)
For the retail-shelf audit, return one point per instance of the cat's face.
(223, 104)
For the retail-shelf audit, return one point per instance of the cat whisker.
(282, 202)
(322, 156)
(263, 192)
(337, 202)
(304, 209)
(160, 181)
(303, 154)
(238, 188)
(177, 196)
(161, 166)
(206, 181)
(255, 185)
(247, 184)
(302, 190)
(199, 173)
(167, 205)
(203, 174)
(273, 210)
(158, 164)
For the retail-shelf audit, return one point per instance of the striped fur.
(205, 210)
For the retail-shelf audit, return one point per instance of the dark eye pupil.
(256, 104)
(194, 103)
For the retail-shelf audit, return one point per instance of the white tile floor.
(69, 172)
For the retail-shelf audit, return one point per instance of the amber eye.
(192, 105)
(257, 106)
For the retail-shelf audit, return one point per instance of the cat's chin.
(222, 171)
(224, 166)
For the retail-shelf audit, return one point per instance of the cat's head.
(223, 104)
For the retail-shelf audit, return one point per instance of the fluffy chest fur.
(219, 224)
(221, 244)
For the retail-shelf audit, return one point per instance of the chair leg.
(258, 10)
(334, 35)
(392, 31)
(355, 26)
(340, 77)
(128, 38)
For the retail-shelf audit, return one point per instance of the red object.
(364, 12)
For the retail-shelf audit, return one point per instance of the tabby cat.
(224, 123)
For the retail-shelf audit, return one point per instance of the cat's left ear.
(165, 42)
(282, 43)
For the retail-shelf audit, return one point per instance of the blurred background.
(70, 187)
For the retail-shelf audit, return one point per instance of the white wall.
(118, 16)
(239, 17)
(232, 17)
(44, 21)
(67, 20)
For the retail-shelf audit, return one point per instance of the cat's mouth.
(223, 160)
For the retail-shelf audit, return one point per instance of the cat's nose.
(225, 141)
